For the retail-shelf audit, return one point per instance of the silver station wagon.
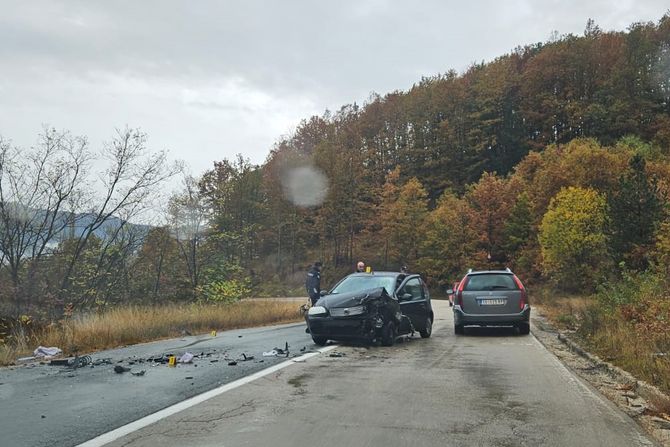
(491, 298)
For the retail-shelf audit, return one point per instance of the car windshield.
(356, 283)
(490, 282)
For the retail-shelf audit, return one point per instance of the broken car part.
(42, 351)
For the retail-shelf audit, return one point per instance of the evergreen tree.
(518, 231)
(635, 211)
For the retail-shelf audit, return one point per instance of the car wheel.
(429, 328)
(388, 334)
(321, 341)
(459, 329)
(524, 328)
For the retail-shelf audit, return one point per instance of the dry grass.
(609, 336)
(130, 325)
(563, 310)
(617, 342)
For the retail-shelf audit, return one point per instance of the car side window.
(398, 283)
(414, 288)
(426, 293)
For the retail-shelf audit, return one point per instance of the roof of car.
(497, 272)
(381, 274)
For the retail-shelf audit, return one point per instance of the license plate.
(493, 302)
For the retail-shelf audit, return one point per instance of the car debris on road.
(73, 362)
(276, 352)
(44, 352)
(186, 358)
(27, 359)
(103, 361)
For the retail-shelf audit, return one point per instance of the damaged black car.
(373, 307)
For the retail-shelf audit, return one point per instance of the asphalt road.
(489, 388)
(42, 405)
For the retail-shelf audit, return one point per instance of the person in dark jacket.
(313, 282)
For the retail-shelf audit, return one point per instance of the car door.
(413, 302)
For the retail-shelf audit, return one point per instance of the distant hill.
(75, 225)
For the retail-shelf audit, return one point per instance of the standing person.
(360, 267)
(313, 282)
(404, 269)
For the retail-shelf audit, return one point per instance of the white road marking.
(125, 430)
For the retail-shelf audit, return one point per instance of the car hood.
(353, 298)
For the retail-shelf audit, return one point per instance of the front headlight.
(317, 310)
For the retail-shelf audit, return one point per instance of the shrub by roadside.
(626, 323)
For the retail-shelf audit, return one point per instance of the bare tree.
(37, 188)
(188, 220)
(132, 178)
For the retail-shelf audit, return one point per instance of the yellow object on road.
(172, 361)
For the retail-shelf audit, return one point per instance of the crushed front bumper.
(348, 328)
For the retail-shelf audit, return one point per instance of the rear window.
(492, 281)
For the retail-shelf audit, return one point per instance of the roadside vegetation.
(553, 160)
(120, 326)
(625, 322)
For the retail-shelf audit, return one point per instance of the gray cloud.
(209, 79)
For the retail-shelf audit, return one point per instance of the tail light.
(459, 292)
(524, 296)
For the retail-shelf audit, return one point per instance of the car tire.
(425, 333)
(320, 341)
(524, 328)
(388, 334)
(459, 329)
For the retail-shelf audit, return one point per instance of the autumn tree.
(235, 201)
(573, 241)
(158, 269)
(402, 221)
(491, 200)
(449, 241)
(661, 252)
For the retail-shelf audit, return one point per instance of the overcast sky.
(209, 79)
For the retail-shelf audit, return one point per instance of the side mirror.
(323, 293)
(406, 297)
(450, 291)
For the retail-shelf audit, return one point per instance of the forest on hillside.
(553, 160)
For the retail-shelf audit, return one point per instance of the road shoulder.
(641, 401)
